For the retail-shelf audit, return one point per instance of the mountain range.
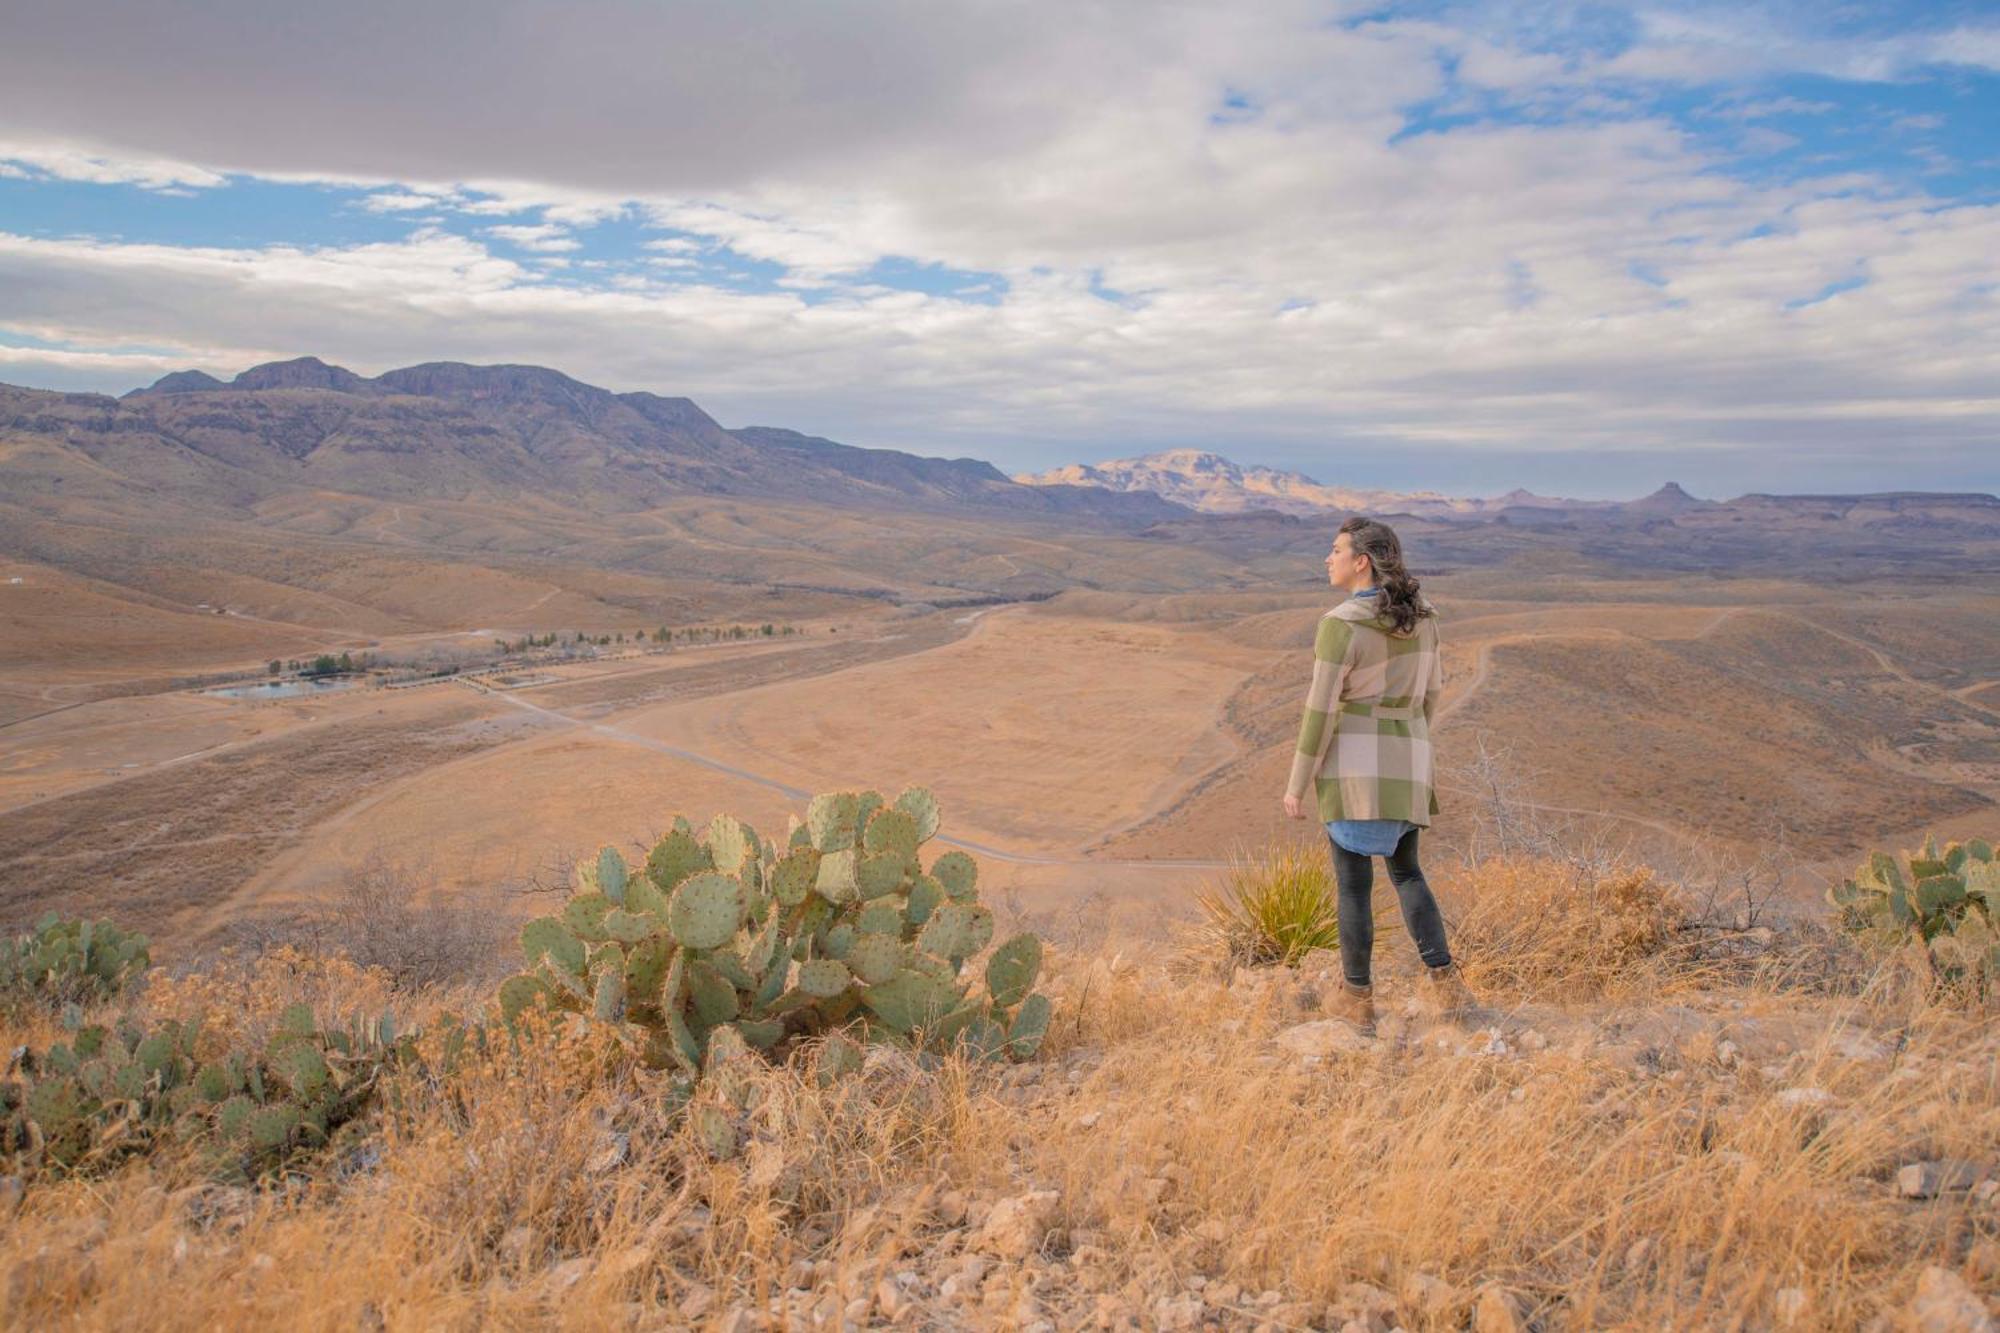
(1212, 484)
(444, 431)
(526, 461)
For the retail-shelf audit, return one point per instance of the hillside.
(1656, 1124)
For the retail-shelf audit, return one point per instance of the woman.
(1365, 749)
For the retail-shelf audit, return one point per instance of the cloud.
(400, 201)
(70, 162)
(544, 237)
(1296, 271)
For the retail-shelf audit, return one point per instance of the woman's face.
(1345, 569)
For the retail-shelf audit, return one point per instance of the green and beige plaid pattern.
(1365, 742)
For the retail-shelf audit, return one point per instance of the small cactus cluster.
(725, 936)
(72, 961)
(109, 1092)
(1945, 899)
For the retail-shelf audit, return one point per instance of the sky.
(1432, 245)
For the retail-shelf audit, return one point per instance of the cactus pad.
(763, 1033)
(731, 842)
(546, 937)
(518, 994)
(831, 817)
(922, 808)
(713, 997)
(884, 916)
(626, 927)
(876, 958)
(793, 877)
(950, 933)
(925, 895)
(879, 874)
(836, 882)
(609, 1002)
(1011, 971)
(706, 910)
(824, 978)
(715, 1132)
(584, 915)
(891, 831)
(1030, 1025)
(910, 1000)
(838, 940)
(674, 858)
(958, 874)
(611, 874)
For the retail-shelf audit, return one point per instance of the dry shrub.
(240, 998)
(384, 914)
(1533, 926)
(1275, 904)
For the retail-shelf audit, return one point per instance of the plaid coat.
(1365, 743)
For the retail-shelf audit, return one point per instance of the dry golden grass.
(1540, 928)
(1179, 1143)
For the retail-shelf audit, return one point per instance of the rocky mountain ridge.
(445, 431)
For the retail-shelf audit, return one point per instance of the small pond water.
(286, 689)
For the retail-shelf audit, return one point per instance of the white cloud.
(400, 201)
(105, 167)
(1295, 277)
(541, 237)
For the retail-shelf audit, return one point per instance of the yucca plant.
(1275, 904)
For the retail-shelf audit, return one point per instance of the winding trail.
(612, 731)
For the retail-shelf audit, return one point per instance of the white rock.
(1016, 1227)
(1431, 1295)
(1177, 1312)
(1324, 1037)
(1497, 1310)
(1789, 1305)
(1804, 1097)
(1945, 1303)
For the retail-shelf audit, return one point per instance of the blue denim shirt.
(1368, 837)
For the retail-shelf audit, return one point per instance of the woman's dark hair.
(1398, 602)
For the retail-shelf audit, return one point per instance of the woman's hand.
(1294, 807)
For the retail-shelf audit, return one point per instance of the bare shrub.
(385, 915)
(1508, 822)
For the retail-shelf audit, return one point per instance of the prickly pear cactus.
(110, 1092)
(731, 940)
(71, 961)
(1942, 903)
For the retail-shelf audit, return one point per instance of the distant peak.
(1669, 496)
(184, 381)
(305, 372)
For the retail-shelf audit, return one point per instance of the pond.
(287, 689)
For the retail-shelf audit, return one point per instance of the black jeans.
(1355, 875)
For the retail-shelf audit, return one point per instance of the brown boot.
(1354, 1004)
(1449, 998)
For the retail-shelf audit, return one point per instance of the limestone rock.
(1498, 1310)
(1016, 1227)
(1324, 1037)
(1429, 1295)
(1946, 1303)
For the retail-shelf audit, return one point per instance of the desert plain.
(1102, 752)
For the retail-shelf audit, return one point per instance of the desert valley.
(1104, 685)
